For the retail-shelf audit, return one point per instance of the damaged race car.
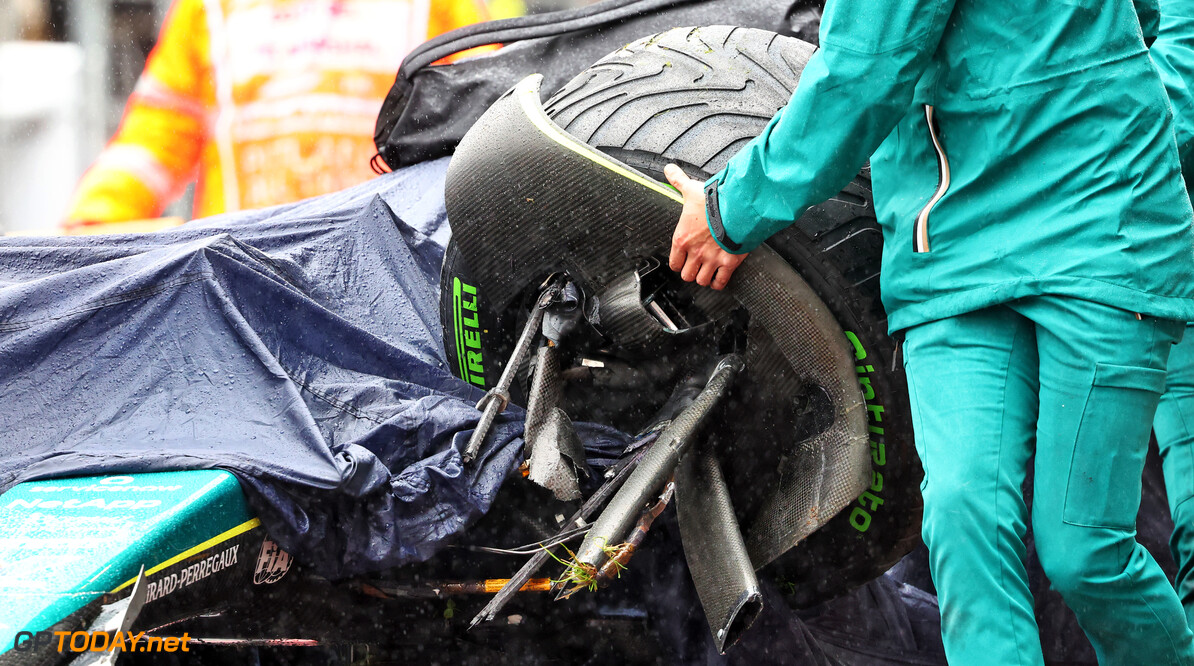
(590, 457)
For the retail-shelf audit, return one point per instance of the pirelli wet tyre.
(694, 97)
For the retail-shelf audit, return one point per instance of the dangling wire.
(532, 548)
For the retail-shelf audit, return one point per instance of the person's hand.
(695, 255)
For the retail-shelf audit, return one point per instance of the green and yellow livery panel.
(69, 545)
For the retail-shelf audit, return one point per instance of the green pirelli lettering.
(870, 501)
(859, 350)
(467, 322)
(460, 370)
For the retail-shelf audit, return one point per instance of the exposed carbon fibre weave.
(525, 200)
(713, 546)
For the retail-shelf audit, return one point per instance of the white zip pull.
(920, 231)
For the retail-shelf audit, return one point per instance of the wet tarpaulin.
(298, 347)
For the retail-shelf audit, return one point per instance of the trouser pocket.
(1104, 483)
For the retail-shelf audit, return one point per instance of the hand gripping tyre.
(523, 206)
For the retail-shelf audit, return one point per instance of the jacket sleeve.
(1149, 14)
(1173, 54)
(852, 93)
(156, 150)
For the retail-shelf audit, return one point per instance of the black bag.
(429, 108)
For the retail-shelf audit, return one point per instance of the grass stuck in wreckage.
(580, 575)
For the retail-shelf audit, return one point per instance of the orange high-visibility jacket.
(266, 101)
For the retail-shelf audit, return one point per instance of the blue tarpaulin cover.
(298, 347)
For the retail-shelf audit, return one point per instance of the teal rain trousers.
(1078, 382)
(1173, 55)
(1174, 426)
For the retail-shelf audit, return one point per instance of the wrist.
(713, 219)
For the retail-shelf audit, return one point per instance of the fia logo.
(272, 563)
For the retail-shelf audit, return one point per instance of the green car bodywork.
(66, 543)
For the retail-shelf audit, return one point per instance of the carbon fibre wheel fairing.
(526, 199)
(713, 546)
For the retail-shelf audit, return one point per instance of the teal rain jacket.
(1173, 54)
(1018, 149)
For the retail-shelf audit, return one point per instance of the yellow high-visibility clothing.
(265, 101)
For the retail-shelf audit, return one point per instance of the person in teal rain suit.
(1038, 258)
(1173, 54)
(1174, 426)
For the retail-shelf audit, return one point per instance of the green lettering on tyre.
(467, 320)
(870, 501)
(859, 351)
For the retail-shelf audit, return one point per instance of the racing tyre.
(694, 97)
